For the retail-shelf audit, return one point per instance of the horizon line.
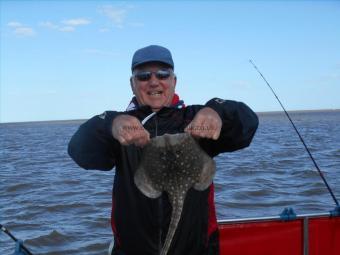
(259, 113)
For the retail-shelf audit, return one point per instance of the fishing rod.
(303, 142)
(6, 231)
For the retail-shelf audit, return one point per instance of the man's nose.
(154, 80)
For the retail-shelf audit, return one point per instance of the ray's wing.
(207, 173)
(144, 183)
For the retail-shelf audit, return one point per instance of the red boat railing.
(309, 234)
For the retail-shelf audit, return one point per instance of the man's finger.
(216, 133)
(141, 138)
(121, 140)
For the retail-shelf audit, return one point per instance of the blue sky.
(71, 59)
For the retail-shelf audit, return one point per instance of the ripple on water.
(54, 238)
(18, 187)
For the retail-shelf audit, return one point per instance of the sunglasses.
(146, 75)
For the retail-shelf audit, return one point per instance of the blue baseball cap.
(152, 53)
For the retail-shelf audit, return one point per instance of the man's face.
(153, 91)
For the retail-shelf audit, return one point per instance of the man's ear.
(132, 86)
(175, 78)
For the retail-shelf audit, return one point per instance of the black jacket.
(140, 223)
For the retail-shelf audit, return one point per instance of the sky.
(64, 60)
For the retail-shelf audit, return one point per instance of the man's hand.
(206, 124)
(128, 130)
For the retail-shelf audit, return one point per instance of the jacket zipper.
(156, 125)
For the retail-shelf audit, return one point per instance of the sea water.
(61, 209)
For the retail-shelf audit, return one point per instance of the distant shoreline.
(299, 111)
(78, 121)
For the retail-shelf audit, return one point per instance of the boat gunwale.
(275, 218)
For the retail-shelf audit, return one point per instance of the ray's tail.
(177, 207)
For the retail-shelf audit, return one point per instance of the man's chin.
(157, 107)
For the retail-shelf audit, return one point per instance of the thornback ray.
(173, 164)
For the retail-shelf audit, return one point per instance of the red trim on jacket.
(113, 224)
(212, 221)
(175, 99)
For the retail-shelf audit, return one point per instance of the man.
(115, 139)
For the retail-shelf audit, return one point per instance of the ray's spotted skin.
(173, 164)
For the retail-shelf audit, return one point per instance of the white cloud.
(14, 24)
(104, 30)
(67, 29)
(116, 15)
(24, 31)
(136, 24)
(76, 22)
(65, 25)
(49, 24)
(332, 76)
(20, 29)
